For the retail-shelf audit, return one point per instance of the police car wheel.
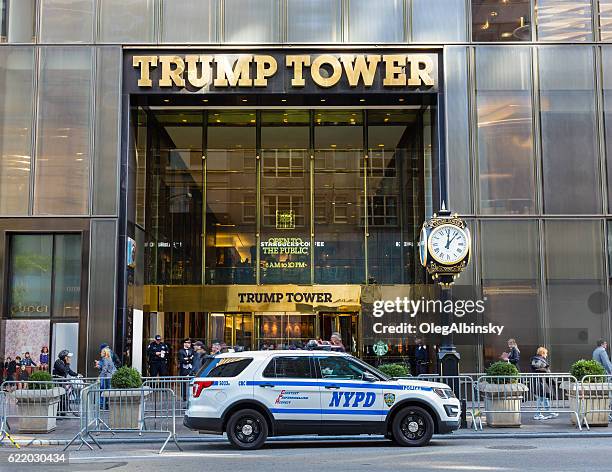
(247, 429)
(413, 426)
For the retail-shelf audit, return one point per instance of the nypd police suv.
(253, 395)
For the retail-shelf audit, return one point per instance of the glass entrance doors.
(344, 323)
(233, 329)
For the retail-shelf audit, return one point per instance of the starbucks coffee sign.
(279, 71)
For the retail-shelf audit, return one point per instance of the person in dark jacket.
(540, 365)
(11, 369)
(514, 356)
(421, 357)
(61, 368)
(198, 357)
(185, 362)
(158, 352)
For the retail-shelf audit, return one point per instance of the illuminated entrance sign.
(289, 297)
(276, 71)
(274, 246)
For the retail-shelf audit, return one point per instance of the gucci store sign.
(274, 71)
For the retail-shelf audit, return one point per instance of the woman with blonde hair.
(541, 365)
(107, 369)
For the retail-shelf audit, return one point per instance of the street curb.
(222, 439)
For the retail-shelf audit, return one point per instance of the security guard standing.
(422, 358)
(158, 352)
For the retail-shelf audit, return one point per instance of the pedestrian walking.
(513, 356)
(114, 357)
(541, 365)
(61, 368)
(158, 352)
(601, 355)
(107, 369)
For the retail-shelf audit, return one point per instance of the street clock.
(444, 246)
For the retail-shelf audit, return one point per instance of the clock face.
(423, 246)
(448, 244)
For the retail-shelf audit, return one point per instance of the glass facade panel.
(575, 289)
(252, 21)
(67, 21)
(16, 90)
(564, 20)
(383, 22)
(511, 284)
(285, 247)
(231, 197)
(495, 20)
(606, 62)
(31, 269)
(17, 20)
(505, 131)
(458, 135)
(339, 198)
(127, 21)
(67, 275)
(63, 131)
(314, 21)
(189, 21)
(569, 130)
(106, 150)
(605, 20)
(438, 21)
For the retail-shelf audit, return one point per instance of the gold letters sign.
(254, 70)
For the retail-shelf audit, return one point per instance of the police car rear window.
(225, 367)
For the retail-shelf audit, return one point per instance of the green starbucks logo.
(380, 348)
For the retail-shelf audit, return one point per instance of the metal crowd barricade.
(465, 390)
(503, 399)
(122, 411)
(179, 385)
(595, 400)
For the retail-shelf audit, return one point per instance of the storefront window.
(505, 134)
(64, 131)
(569, 130)
(252, 21)
(16, 89)
(17, 19)
(339, 198)
(67, 275)
(231, 197)
(438, 21)
(605, 20)
(67, 21)
(395, 180)
(606, 52)
(314, 21)
(380, 22)
(564, 20)
(494, 20)
(285, 247)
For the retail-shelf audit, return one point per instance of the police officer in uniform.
(422, 357)
(158, 352)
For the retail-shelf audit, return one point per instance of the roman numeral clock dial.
(448, 244)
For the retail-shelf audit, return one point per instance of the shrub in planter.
(503, 369)
(126, 401)
(591, 397)
(38, 404)
(45, 379)
(126, 377)
(394, 370)
(582, 368)
(503, 395)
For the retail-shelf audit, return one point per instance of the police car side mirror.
(366, 376)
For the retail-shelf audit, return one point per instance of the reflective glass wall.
(279, 196)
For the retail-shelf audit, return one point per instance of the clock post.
(444, 250)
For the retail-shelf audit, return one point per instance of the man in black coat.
(61, 367)
(158, 352)
(421, 357)
(185, 362)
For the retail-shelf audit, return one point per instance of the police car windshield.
(371, 369)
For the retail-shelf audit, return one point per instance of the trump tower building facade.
(256, 172)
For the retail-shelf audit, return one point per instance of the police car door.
(288, 387)
(345, 395)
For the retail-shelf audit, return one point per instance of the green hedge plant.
(395, 370)
(508, 371)
(126, 377)
(581, 368)
(43, 380)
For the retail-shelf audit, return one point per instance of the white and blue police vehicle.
(254, 395)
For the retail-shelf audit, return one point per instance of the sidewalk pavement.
(68, 428)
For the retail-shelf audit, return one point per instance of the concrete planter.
(503, 403)
(37, 409)
(125, 407)
(591, 397)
